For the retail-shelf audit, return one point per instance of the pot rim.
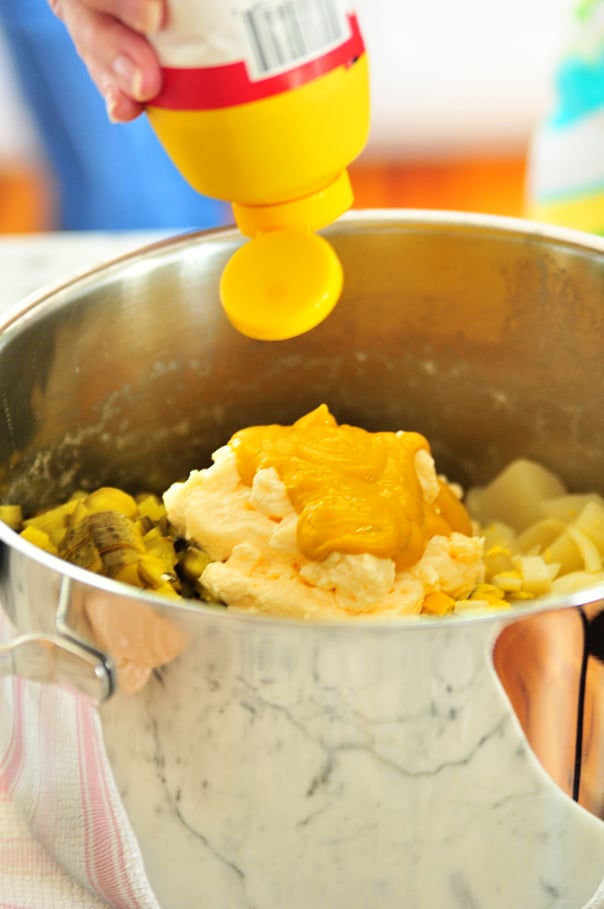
(585, 597)
(410, 217)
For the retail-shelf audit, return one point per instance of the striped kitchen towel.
(29, 876)
(55, 774)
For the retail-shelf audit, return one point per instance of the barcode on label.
(286, 32)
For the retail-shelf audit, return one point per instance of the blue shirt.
(108, 176)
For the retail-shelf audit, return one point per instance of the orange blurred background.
(493, 184)
(487, 184)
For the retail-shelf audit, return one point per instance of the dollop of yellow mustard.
(354, 491)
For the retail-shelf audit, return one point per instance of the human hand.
(109, 36)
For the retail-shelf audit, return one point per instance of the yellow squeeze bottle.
(264, 104)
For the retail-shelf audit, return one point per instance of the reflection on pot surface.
(551, 667)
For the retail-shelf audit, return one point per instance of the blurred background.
(457, 90)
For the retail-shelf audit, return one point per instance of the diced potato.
(496, 533)
(539, 535)
(508, 581)
(515, 495)
(565, 551)
(577, 580)
(568, 508)
(499, 546)
(591, 522)
(536, 578)
(592, 558)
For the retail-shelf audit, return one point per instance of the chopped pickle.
(152, 507)
(55, 521)
(12, 515)
(78, 547)
(115, 534)
(108, 498)
(191, 564)
(152, 571)
(108, 536)
(39, 538)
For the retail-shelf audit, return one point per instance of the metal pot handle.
(62, 655)
(51, 658)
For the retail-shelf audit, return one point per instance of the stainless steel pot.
(281, 764)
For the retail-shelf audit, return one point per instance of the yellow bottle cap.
(281, 284)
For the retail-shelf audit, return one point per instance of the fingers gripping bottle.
(264, 104)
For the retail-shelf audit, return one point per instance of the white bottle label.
(217, 55)
(286, 33)
(269, 35)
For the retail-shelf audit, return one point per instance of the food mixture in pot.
(317, 520)
(324, 521)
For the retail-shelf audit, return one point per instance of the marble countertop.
(31, 262)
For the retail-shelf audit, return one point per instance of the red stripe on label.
(215, 87)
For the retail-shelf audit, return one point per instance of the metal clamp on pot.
(61, 658)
